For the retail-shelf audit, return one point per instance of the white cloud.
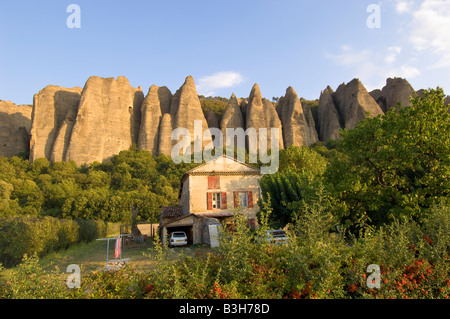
(403, 6)
(208, 85)
(419, 46)
(374, 67)
(392, 55)
(429, 31)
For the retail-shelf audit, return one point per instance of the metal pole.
(107, 251)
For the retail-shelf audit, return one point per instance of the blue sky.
(227, 46)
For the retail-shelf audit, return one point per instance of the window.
(216, 200)
(243, 199)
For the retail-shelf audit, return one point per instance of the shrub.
(31, 235)
(317, 263)
(90, 230)
(30, 281)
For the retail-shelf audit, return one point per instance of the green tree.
(297, 184)
(302, 159)
(396, 165)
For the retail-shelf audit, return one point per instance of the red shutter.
(236, 199)
(224, 200)
(209, 200)
(211, 182)
(217, 181)
(250, 199)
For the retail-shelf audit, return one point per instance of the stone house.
(209, 195)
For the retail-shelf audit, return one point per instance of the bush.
(31, 235)
(30, 281)
(317, 263)
(90, 230)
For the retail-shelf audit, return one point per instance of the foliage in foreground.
(317, 263)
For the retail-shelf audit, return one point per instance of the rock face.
(328, 116)
(378, 96)
(311, 133)
(15, 128)
(297, 122)
(165, 135)
(155, 106)
(54, 111)
(396, 90)
(109, 115)
(260, 113)
(185, 109)
(353, 102)
(107, 122)
(232, 117)
(211, 119)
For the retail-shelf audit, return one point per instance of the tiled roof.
(169, 212)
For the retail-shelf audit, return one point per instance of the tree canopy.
(395, 166)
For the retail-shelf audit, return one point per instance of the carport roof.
(215, 215)
(201, 215)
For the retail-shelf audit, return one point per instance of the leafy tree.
(302, 160)
(297, 184)
(396, 165)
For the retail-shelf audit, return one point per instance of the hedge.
(32, 235)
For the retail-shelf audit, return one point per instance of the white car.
(277, 237)
(178, 238)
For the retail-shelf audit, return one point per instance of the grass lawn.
(92, 256)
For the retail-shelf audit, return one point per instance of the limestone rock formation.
(297, 121)
(15, 128)
(165, 142)
(211, 119)
(232, 117)
(353, 102)
(396, 90)
(156, 104)
(108, 120)
(243, 105)
(109, 115)
(185, 109)
(378, 96)
(311, 134)
(54, 109)
(329, 121)
(261, 113)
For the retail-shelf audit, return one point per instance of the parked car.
(178, 238)
(277, 237)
